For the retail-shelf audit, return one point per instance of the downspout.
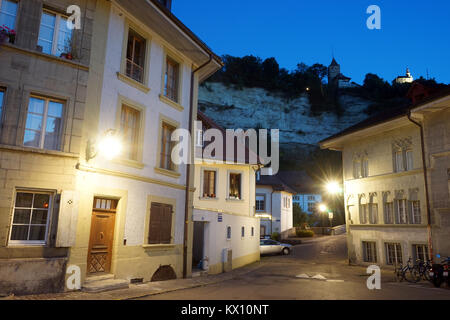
(425, 176)
(271, 213)
(188, 169)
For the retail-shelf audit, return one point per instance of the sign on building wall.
(219, 217)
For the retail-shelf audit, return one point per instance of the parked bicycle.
(424, 268)
(408, 272)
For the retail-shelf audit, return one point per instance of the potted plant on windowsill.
(7, 34)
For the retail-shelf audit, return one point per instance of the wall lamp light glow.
(109, 146)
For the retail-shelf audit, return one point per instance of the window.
(8, 13)
(402, 215)
(135, 63)
(31, 217)
(54, 36)
(242, 232)
(415, 212)
(166, 147)
(228, 233)
(311, 206)
(260, 203)
(209, 184)
(44, 124)
(420, 252)
(160, 230)
(129, 130)
(363, 213)
(356, 169)
(365, 168)
(199, 138)
(105, 204)
(311, 198)
(398, 161)
(171, 79)
(235, 186)
(409, 160)
(253, 231)
(369, 251)
(2, 96)
(394, 253)
(373, 213)
(389, 212)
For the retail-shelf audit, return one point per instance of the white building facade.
(384, 191)
(137, 206)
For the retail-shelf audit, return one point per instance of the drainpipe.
(271, 213)
(188, 169)
(425, 176)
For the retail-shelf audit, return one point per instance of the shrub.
(305, 233)
(275, 236)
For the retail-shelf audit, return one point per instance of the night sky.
(414, 33)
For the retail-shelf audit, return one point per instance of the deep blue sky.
(414, 33)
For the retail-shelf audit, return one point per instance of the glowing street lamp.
(322, 208)
(333, 187)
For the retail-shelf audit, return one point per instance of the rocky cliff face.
(255, 107)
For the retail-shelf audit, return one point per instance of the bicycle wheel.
(411, 275)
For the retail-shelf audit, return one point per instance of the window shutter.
(155, 223)
(166, 225)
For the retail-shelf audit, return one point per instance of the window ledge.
(133, 82)
(168, 173)
(208, 198)
(40, 151)
(237, 200)
(171, 103)
(130, 163)
(159, 246)
(47, 56)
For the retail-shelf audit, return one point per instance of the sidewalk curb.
(230, 277)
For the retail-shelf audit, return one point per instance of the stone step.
(105, 284)
(91, 279)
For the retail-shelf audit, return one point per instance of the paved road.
(276, 278)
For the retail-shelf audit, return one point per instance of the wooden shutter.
(156, 213)
(166, 225)
(160, 230)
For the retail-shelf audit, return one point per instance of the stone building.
(386, 202)
(42, 109)
(407, 78)
(434, 116)
(135, 210)
(129, 74)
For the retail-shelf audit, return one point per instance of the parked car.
(269, 246)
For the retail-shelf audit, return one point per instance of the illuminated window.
(31, 217)
(129, 129)
(135, 56)
(166, 147)
(171, 79)
(209, 184)
(235, 186)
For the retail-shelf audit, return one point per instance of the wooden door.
(101, 239)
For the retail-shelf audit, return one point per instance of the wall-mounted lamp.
(108, 146)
